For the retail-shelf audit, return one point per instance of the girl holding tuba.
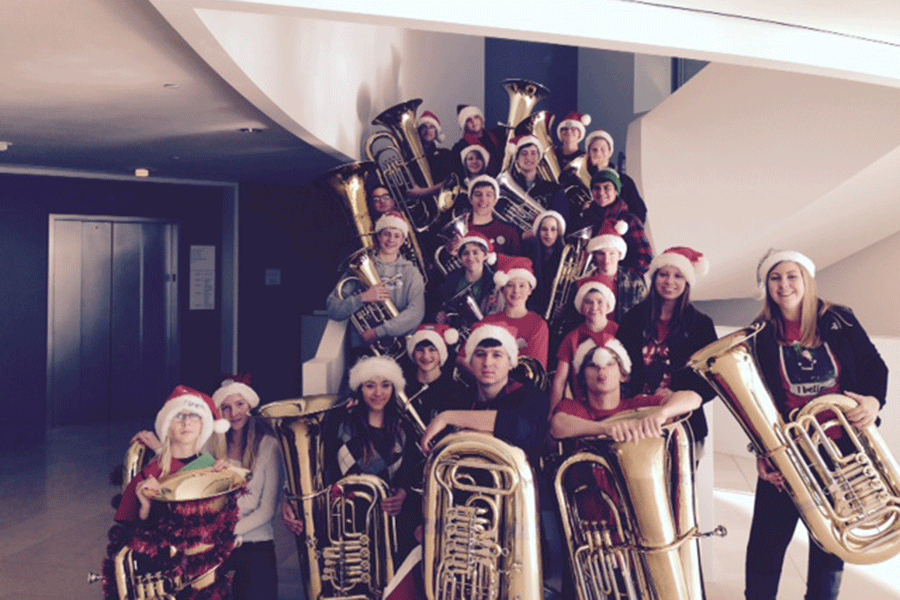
(544, 246)
(476, 253)
(808, 348)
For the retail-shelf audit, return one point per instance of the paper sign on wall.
(203, 278)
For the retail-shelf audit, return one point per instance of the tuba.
(371, 314)
(463, 312)
(456, 229)
(849, 498)
(573, 264)
(638, 537)
(136, 458)
(515, 205)
(523, 96)
(481, 537)
(577, 181)
(540, 125)
(350, 541)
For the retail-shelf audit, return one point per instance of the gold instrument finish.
(481, 539)
(577, 181)
(540, 125)
(349, 539)
(639, 539)
(371, 314)
(515, 205)
(348, 182)
(849, 500)
(456, 229)
(574, 264)
(136, 458)
(523, 96)
(463, 312)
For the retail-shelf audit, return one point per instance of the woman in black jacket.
(807, 348)
(663, 331)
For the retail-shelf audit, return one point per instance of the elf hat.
(510, 267)
(691, 263)
(439, 335)
(370, 367)
(185, 399)
(577, 120)
(600, 283)
(505, 334)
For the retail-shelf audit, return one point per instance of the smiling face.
(527, 158)
(594, 306)
(669, 282)
(548, 231)
(607, 260)
(569, 135)
(491, 365)
(599, 153)
(474, 163)
(604, 193)
(185, 428)
(376, 393)
(236, 410)
(786, 287)
(483, 199)
(426, 357)
(516, 292)
(390, 239)
(472, 256)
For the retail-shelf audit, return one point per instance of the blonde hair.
(165, 455)
(250, 437)
(811, 309)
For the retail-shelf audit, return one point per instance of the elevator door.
(112, 330)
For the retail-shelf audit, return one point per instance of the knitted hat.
(464, 112)
(549, 213)
(236, 385)
(691, 263)
(484, 179)
(510, 267)
(392, 219)
(185, 399)
(430, 118)
(574, 119)
(476, 237)
(439, 335)
(505, 334)
(485, 155)
(370, 367)
(610, 236)
(599, 355)
(772, 258)
(607, 175)
(599, 282)
(517, 143)
(603, 135)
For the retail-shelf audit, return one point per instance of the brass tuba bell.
(523, 96)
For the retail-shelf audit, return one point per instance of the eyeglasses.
(186, 417)
(382, 197)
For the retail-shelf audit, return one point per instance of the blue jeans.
(774, 520)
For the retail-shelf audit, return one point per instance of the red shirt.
(573, 339)
(533, 333)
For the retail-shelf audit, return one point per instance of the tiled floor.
(54, 514)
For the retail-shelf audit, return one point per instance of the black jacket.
(862, 369)
(699, 332)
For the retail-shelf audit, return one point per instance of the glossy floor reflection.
(55, 511)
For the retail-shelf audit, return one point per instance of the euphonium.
(349, 545)
(523, 96)
(573, 264)
(540, 124)
(481, 539)
(456, 229)
(515, 205)
(638, 538)
(463, 312)
(577, 181)
(371, 314)
(848, 499)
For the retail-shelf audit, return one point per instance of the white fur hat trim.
(369, 367)
(772, 258)
(673, 259)
(549, 213)
(493, 332)
(616, 242)
(598, 355)
(191, 404)
(501, 278)
(599, 134)
(466, 113)
(485, 155)
(484, 179)
(482, 243)
(230, 387)
(392, 220)
(451, 336)
(592, 286)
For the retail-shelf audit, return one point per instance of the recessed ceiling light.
(4, 146)
(250, 129)
(142, 172)
(171, 86)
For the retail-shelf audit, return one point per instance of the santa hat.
(603, 135)
(485, 155)
(476, 237)
(370, 367)
(505, 334)
(600, 355)
(517, 143)
(549, 213)
(772, 258)
(610, 236)
(236, 385)
(600, 283)
(691, 263)
(430, 118)
(392, 219)
(609, 175)
(185, 399)
(511, 267)
(482, 179)
(439, 335)
(464, 112)
(574, 119)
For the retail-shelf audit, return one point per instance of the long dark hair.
(358, 422)
(683, 314)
